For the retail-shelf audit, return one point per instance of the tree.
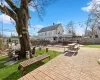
(94, 17)
(18, 10)
(70, 28)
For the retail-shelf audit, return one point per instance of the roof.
(49, 28)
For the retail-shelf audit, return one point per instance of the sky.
(62, 11)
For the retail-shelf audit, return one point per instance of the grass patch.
(11, 72)
(92, 46)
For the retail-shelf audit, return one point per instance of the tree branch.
(8, 12)
(24, 6)
(29, 1)
(11, 4)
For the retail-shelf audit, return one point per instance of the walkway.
(81, 66)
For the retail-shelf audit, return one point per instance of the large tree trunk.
(24, 43)
(22, 30)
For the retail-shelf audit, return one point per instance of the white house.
(51, 33)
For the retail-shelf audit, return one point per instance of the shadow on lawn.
(2, 62)
(16, 75)
(2, 65)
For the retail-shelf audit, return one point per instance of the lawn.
(92, 46)
(11, 72)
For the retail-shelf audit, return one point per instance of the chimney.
(53, 23)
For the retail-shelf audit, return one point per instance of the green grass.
(11, 72)
(92, 46)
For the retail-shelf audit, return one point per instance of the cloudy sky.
(62, 11)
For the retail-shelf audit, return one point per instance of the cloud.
(90, 5)
(31, 8)
(6, 19)
(87, 9)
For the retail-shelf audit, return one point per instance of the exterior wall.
(60, 30)
(49, 35)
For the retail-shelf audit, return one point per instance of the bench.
(26, 63)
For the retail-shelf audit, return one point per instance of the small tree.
(94, 17)
(70, 28)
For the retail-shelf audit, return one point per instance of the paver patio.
(81, 66)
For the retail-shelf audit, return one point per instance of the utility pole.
(2, 29)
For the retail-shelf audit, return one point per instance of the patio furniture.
(74, 47)
(26, 63)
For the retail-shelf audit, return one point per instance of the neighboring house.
(88, 33)
(51, 33)
(94, 33)
(97, 32)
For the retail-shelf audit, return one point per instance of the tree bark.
(22, 30)
(24, 42)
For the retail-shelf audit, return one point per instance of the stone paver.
(68, 66)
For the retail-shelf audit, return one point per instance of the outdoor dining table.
(71, 46)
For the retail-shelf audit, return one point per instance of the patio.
(68, 66)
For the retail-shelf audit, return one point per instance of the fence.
(83, 41)
(40, 43)
(89, 40)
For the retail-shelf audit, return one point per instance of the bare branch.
(24, 5)
(40, 6)
(12, 5)
(8, 12)
(29, 1)
(39, 14)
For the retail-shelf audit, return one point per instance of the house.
(51, 33)
(94, 33)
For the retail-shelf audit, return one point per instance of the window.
(96, 36)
